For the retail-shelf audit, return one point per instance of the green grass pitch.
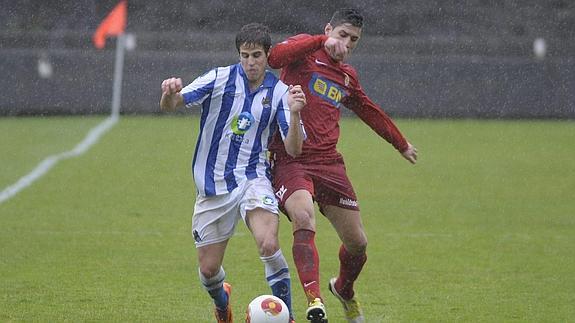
(482, 229)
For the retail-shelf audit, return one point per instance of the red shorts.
(325, 179)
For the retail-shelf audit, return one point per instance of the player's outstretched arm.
(294, 140)
(410, 153)
(381, 123)
(171, 96)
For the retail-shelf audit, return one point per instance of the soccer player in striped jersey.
(242, 105)
(318, 174)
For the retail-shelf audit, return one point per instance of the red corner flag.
(113, 25)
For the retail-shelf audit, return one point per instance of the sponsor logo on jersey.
(242, 123)
(326, 89)
(237, 138)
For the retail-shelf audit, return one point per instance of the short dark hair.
(347, 15)
(254, 34)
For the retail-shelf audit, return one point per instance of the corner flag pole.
(114, 25)
(118, 74)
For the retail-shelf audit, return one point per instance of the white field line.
(45, 165)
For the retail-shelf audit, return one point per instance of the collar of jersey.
(268, 79)
(329, 58)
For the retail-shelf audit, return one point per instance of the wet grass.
(481, 229)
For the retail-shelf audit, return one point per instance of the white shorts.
(215, 217)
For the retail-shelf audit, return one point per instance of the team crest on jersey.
(326, 89)
(266, 103)
(242, 123)
(346, 79)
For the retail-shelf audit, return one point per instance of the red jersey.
(328, 85)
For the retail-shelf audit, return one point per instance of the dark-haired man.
(241, 106)
(318, 174)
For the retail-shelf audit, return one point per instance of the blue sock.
(220, 298)
(215, 287)
(278, 277)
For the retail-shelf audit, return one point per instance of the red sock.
(349, 268)
(306, 260)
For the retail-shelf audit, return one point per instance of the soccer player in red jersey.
(318, 174)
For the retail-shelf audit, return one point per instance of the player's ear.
(328, 28)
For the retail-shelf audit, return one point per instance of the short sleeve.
(197, 91)
(283, 112)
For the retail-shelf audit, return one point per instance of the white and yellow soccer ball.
(267, 309)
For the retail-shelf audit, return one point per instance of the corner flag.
(113, 25)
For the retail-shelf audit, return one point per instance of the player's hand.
(171, 86)
(336, 48)
(296, 98)
(171, 97)
(410, 153)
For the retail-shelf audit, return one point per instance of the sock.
(278, 277)
(306, 261)
(215, 287)
(349, 268)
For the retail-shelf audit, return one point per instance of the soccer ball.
(267, 309)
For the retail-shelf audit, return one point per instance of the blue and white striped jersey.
(235, 127)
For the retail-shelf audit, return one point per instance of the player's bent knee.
(357, 246)
(303, 219)
(268, 247)
(356, 249)
(209, 270)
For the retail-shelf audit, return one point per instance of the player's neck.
(254, 85)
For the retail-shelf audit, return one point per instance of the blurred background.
(417, 59)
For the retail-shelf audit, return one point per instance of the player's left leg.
(352, 257)
(352, 253)
(338, 202)
(262, 219)
(264, 228)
